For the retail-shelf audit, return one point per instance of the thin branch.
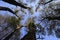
(52, 18)
(48, 1)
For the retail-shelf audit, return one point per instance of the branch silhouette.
(7, 9)
(13, 2)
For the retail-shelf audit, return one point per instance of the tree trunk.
(31, 34)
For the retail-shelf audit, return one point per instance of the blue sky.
(26, 16)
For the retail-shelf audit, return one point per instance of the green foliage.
(32, 27)
(13, 21)
(31, 24)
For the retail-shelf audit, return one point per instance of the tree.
(48, 15)
(15, 3)
(31, 33)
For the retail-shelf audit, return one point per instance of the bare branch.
(48, 1)
(7, 9)
(13, 2)
(52, 18)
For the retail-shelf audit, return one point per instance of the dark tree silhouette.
(48, 1)
(7, 9)
(13, 2)
(31, 33)
(53, 18)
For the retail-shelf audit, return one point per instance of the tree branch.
(13, 2)
(48, 1)
(7, 9)
(52, 18)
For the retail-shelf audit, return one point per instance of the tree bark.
(31, 34)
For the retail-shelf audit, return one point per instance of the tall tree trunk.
(31, 34)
